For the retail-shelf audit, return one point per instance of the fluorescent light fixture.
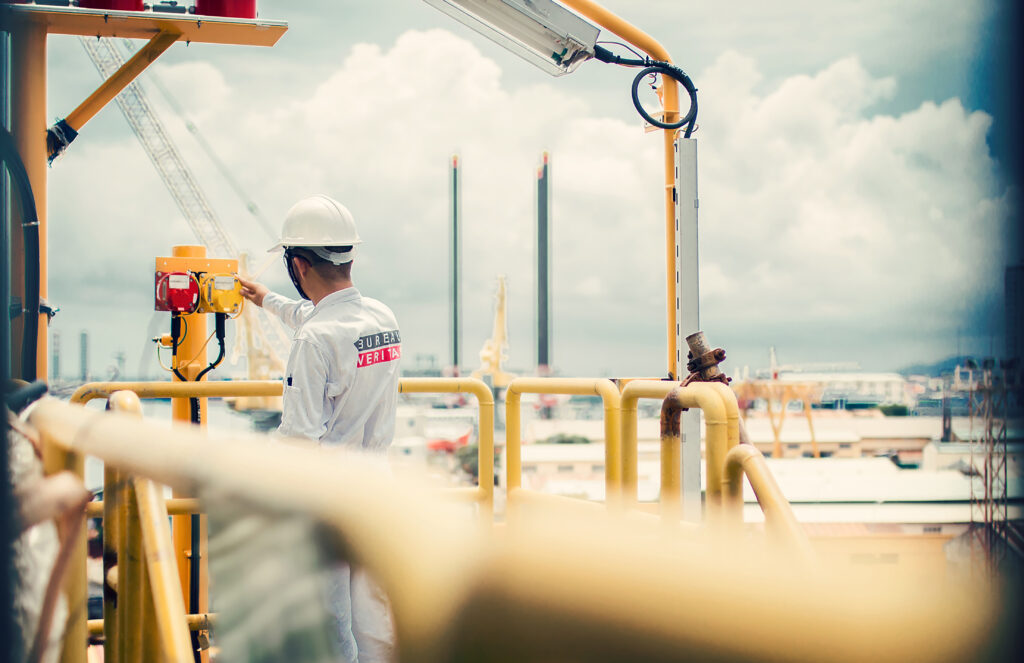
(539, 31)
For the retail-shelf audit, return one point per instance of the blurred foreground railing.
(557, 586)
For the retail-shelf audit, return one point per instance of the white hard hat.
(319, 221)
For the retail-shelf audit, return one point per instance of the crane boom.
(263, 338)
(161, 151)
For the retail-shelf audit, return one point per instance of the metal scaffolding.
(989, 390)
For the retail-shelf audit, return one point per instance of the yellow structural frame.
(29, 26)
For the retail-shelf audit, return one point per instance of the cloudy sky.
(854, 201)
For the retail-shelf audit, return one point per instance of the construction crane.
(259, 338)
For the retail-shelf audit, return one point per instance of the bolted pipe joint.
(704, 360)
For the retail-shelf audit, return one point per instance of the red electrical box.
(116, 5)
(230, 8)
(177, 292)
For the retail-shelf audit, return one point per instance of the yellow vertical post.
(147, 618)
(670, 99)
(112, 507)
(191, 359)
(485, 458)
(28, 120)
(170, 628)
(513, 443)
(76, 633)
(130, 593)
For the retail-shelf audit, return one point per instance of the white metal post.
(687, 312)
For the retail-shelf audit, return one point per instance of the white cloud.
(816, 213)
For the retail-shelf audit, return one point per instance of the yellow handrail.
(547, 591)
(220, 389)
(780, 521)
(484, 493)
(573, 386)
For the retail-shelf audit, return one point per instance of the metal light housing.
(541, 32)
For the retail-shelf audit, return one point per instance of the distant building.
(849, 391)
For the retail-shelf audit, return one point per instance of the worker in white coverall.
(341, 382)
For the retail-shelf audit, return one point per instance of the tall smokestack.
(455, 275)
(85, 356)
(543, 267)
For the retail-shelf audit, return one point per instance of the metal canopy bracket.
(144, 25)
(120, 79)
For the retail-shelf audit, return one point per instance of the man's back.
(341, 383)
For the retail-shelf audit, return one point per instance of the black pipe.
(30, 229)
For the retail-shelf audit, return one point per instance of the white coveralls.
(341, 388)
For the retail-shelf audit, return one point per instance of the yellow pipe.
(169, 607)
(179, 390)
(610, 397)
(120, 79)
(485, 447)
(781, 523)
(203, 622)
(28, 124)
(652, 47)
(175, 507)
(634, 391)
(732, 412)
(721, 419)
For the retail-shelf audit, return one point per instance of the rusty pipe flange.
(704, 361)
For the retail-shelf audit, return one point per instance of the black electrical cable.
(30, 229)
(221, 319)
(665, 69)
(655, 67)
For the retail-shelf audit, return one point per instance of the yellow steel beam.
(120, 79)
(143, 25)
(611, 398)
(778, 514)
(485, 447)
(28, 125)
(634, 35)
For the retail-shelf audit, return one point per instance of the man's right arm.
(292, 312)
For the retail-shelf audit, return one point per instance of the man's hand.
(253, 290)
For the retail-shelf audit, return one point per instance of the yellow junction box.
(220, 293)
(219, 290)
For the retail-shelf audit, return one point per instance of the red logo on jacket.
(378, 348)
